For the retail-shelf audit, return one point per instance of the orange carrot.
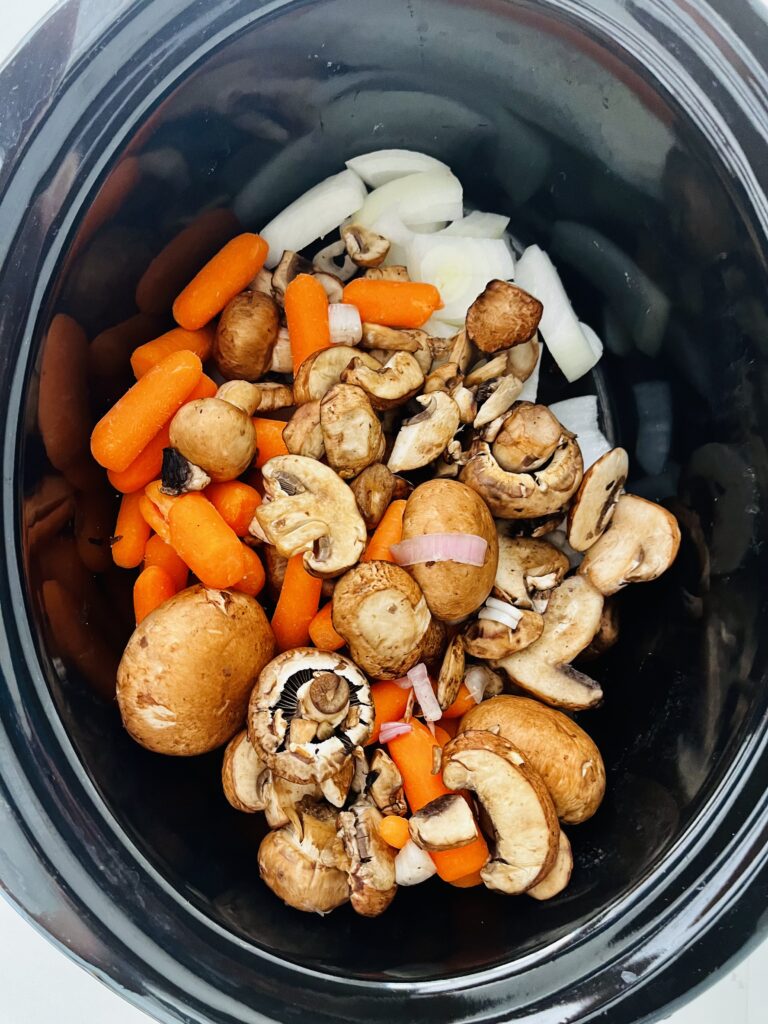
(202, 539)
(297, 605)
(253, 578)
(468, 881)
(131, 533)
(441, 735)
(159, 552)
(153, 517)
(394, 830)
(269, 440)
(62, 406)
(153, 586)
(388, 532)
(162, 501)
(138, 416)
(148, 355)
(236, 502)
(464, 701)
(392, 303)
(222, 277)
(306, 313)
(322, 633)
(389, 703)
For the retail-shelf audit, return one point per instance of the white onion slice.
(414, 199)
(460, 268)
(413, 865)
(439, 328)
(403, 682)
(565, 339)
(345, 324)
(384, 165)
(425, 695)
(390, 730)
(579, 415)
(476, 679)
(504, 606)
(313, 215)
(466, 548)
(496, 615)
(478, 225)
(592, 339)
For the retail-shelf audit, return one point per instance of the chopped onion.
(496, 615)
(504, 606)
(476, 680)
(478, 225)
(384, 165)
(403, 682)
(344, 323)
(414, 199)
(592, 339)
(389, 730)
(460, 268)
(579, 415)
(313, 215)
(413, 865)
(654, 418)
(436, 328)
(531, 385)
(466, 548)
(565, 339)
(425, 695)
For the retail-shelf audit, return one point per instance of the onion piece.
(436, 328)
(389, 730)
(565, 339)
(425, 695)
(313, 215)
(466, 548)
(460, 268)
(478, 225)
(413, 865)
(344, 323)
(496, 615)
(476, 679)
(384, 165)
(592, 340)
(414, 199)
(403, 682)
(504, 606)
(579, 415)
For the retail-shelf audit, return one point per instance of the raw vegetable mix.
(365, 555)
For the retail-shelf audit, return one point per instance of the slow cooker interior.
(549, 123)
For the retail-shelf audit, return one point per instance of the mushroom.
(394, 273)
(188, 669)
(555, 746)
(640, 544)
(264, 397)
(445, 823)
(522, 359)
(544, 669)
(560, 875)
(290, 266)
(487, 370)
(371, 861)
(390, 385)
(528, 570)
(246, 336)
(454, 349)
(262, 282)
(310, 509)
(325, 261)
(446, 377)
(250, 786)
(527, 439)
(595, 501)
(502, 316)
(352, 434)
(491, 640)
(515, 799)
(332, 284)
(433, 644)
(320, 371)
(216, 436)
(305, 864)
(385, 784)
(365, 247)
(608, 632)
(495, 398)
(308, 711)
(451, 673)
(382, 615)
(302, 433)
(375, 489)
(389, 339)
(179, 476)
(425, 436)
(275, 566)
(282, 357)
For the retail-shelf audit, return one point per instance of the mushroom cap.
(381, 613)
(560, 875)
(302, 433)
(393, 384)
(516, 800)
(374, 489)
(561, 752)
(246, 335)
(372, 861)
(595, 501)
(453, 590)
(425, 436)
(502, 316)
(446, 823)
(526, 559)
(528, 437)
(385, 784)
(216, 436)
(640, 544)
(366, 248)
(352, 434)
(188, 669)
(320, 371)
(311, 509)
(491, 640)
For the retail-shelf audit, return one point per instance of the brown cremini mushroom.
(371, 870)
(595, 501)
(320, 371)
(352, 434)
(390, 385)
(290, 266)
(365, 247)
(529, 569)
(494, 399)
(385, 784)
(527, 439)
(451, 673)
(246, 336)
(492, 640)
(560, 875)
(375, 489)
(302, 433)
(503, 316)
(445, 823)
(522, 359)
(282, 357)
(264, 397)
(216, 436)
(394, 273)
(425, 436)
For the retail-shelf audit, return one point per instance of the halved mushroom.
(595, 501)
(389, 339)
(495, 398)
(333, 286)
(425, 436)
(352, 434)
(503, 316)
(310, 509)
(522, 359)
(246, 336)
(451, 673)
(390, 385)
(446, 377)
(640, 544)
(445, 823)
(241, 775)
(290, 266)
(560, 875)
(308, 711)
(282, 357)
(366, 248)
(381, 613)
(528, 570)
(302, 433)
(515, 799)
(320, 371)
(385, 784)
(371, 860)
(487, 369)
(374, 489)
(394, 273)
(528, 437)
(264, 397)
(491, 640)
(544, 669)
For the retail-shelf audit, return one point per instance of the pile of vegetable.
(366, 461)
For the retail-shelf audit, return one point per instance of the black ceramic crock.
(628, 139)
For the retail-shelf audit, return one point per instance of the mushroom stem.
(329, 693)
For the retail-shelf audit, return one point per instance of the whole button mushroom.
(215, 435)
(246, 335)
(187, 671)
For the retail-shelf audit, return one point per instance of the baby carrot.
(392, 303)
(236, 502)
(153, 517)
(158, 552)
(253, 578)
(450, 726)
(297, 605)
(222, 277)
(153, 586)
(389, 703)
(306, 313)
(133, 421)
(394, 830)
(162, 501)
(441, 735)
(388, 532)
(202, 539)
(131, 532)
(464, 701)
(148, 355)
(269, 440)
(468, 881)
(321, 631)
(62, 407)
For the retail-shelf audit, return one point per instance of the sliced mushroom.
(310, 509)
(425, 436)
(303, 434)
(503, 316)
(544, 669)
(320, 371)
(365, 247)
(461, 351)
(451, 673)
(374, 489)
(290, 266)
(515, 799)
(333, 286)
(496, 398)
(352, 434)
(608, 632)
(246, 336)
(241, 774)
(282, 356)
(385, 784)
(390, 385)
(595, 501)
(528, 570)
(491, 640)
(336, 787)
(528, 437)
(487, 370)
(371, 861)
(264, 397)
(262, 282)
(389, 339)
(445, 823)
(326, 261)
(522, 359)
(639, 545)
(434, 643)
(394, 273)
(560, 875)
(445, 378)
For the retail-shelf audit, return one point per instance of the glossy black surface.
(599, 130)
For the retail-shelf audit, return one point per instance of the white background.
(38, 985)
